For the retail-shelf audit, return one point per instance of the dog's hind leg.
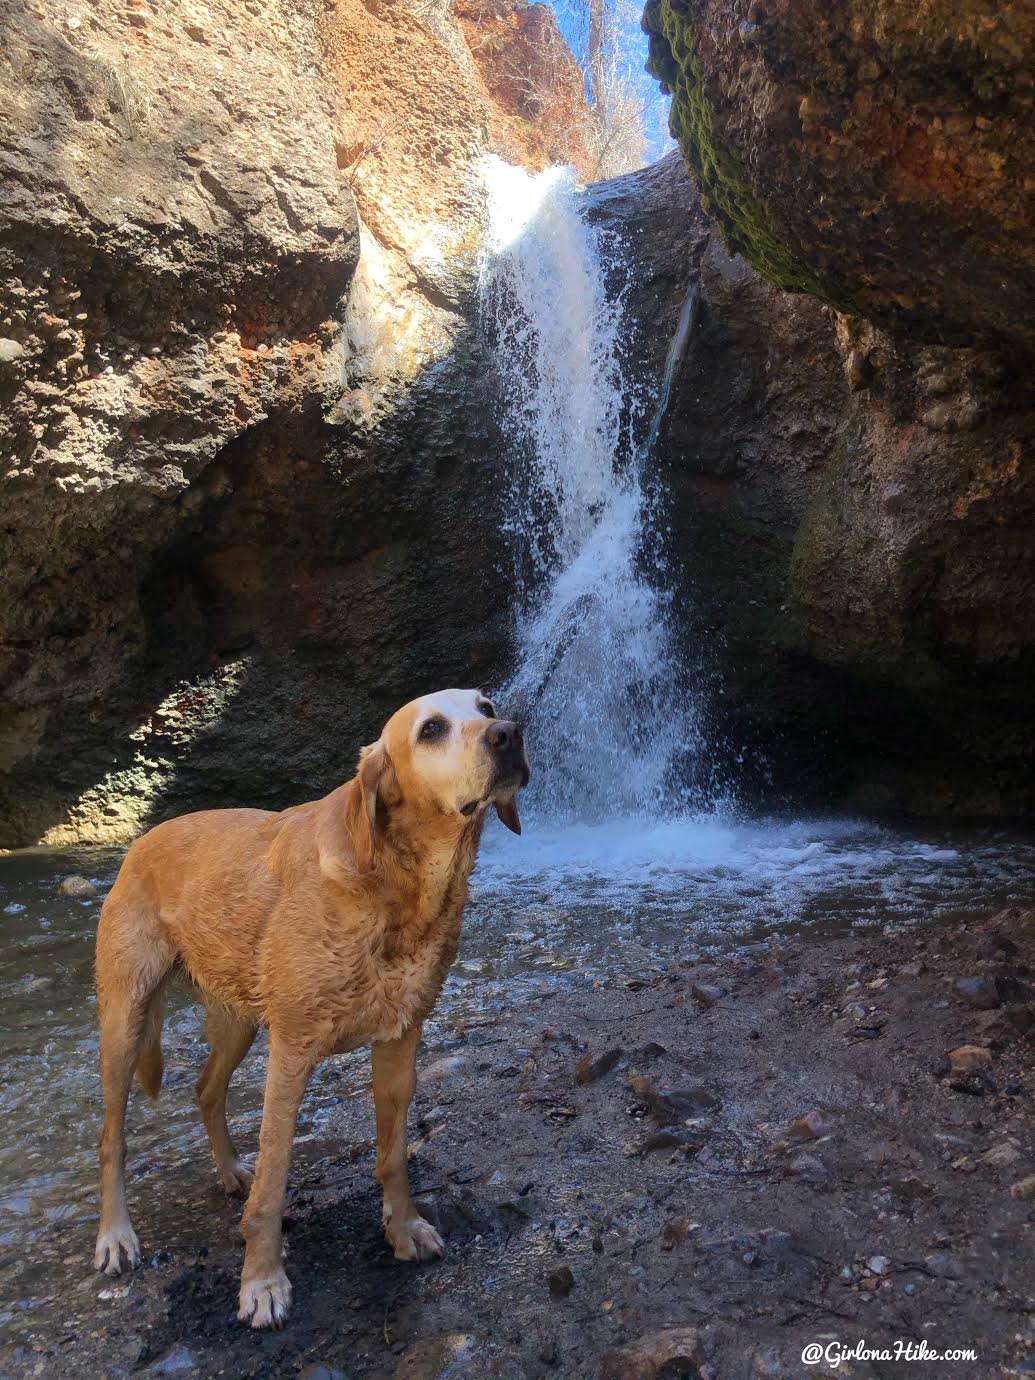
(124, 1020)
(229, 1038)
(134, 959)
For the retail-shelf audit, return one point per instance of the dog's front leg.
(265, 1289)
(394, 1070)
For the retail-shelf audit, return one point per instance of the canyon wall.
(243, 418)
(850, 447)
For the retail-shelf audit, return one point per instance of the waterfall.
(598, 681)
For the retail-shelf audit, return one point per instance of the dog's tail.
(151, 1064)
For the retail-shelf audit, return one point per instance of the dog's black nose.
(503, 735)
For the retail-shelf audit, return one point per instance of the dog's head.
(443, 756)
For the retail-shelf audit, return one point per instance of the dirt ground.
(696, 1173)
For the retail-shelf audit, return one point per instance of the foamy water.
(739, 877)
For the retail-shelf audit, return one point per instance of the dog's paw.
(237, 1179)
(110, 1247)
(413, 1238)
(265, 1302)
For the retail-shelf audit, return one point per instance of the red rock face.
(528, 70)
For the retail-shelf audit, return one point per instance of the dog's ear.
(376, 790)
(508, 813)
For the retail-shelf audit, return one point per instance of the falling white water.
(620, 861)
(598, 680)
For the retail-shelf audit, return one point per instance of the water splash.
(599, 681)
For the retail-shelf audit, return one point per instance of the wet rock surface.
(572, 1249)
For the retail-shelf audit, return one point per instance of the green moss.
(725, 185)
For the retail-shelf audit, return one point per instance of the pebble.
(442, 1069)
(706, 993)
(1024, 1189)
(680, 1103)
(175, 1362)
(561, 1282)
(878, 1264)
(810, 1168)
(943, 1266)
(436, 1357)
(811, 1126)
(674, 1139)
(672, 1351)
(969, 1058)
(590, 1068)
(999, 1156)
(977, 991)
(77, 886)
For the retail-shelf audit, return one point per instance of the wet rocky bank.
(695, 1171)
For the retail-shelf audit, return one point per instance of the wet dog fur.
(333, 924)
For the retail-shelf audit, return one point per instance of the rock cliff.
(876, 154)
(231, 463)
(854, 516)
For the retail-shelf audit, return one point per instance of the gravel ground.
(699, 1173)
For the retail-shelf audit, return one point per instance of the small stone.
(810, 1168)
(678, 1104)
(672, 1138)
(911, 1188)
(878, 1264)
(707, 993)
(999, 1156)
(77, 886)
(969, 1059)
(176, 1362)
(442, 1069)
(1024, 1189)
(10, 350)
(977, 991)
(675, 1233)
(811, 1126)
(434, 1358)
(561, 1282)
(589, 1069)
(672, 1351)
(943, 1266)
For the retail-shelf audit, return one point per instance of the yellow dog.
(332, 923)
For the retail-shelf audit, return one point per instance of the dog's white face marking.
(449, 751)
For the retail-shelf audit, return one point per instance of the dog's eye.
(488, 709)
(432, 729)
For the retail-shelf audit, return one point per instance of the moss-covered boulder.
(874, 153)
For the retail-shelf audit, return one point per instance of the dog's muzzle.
(506, 745)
